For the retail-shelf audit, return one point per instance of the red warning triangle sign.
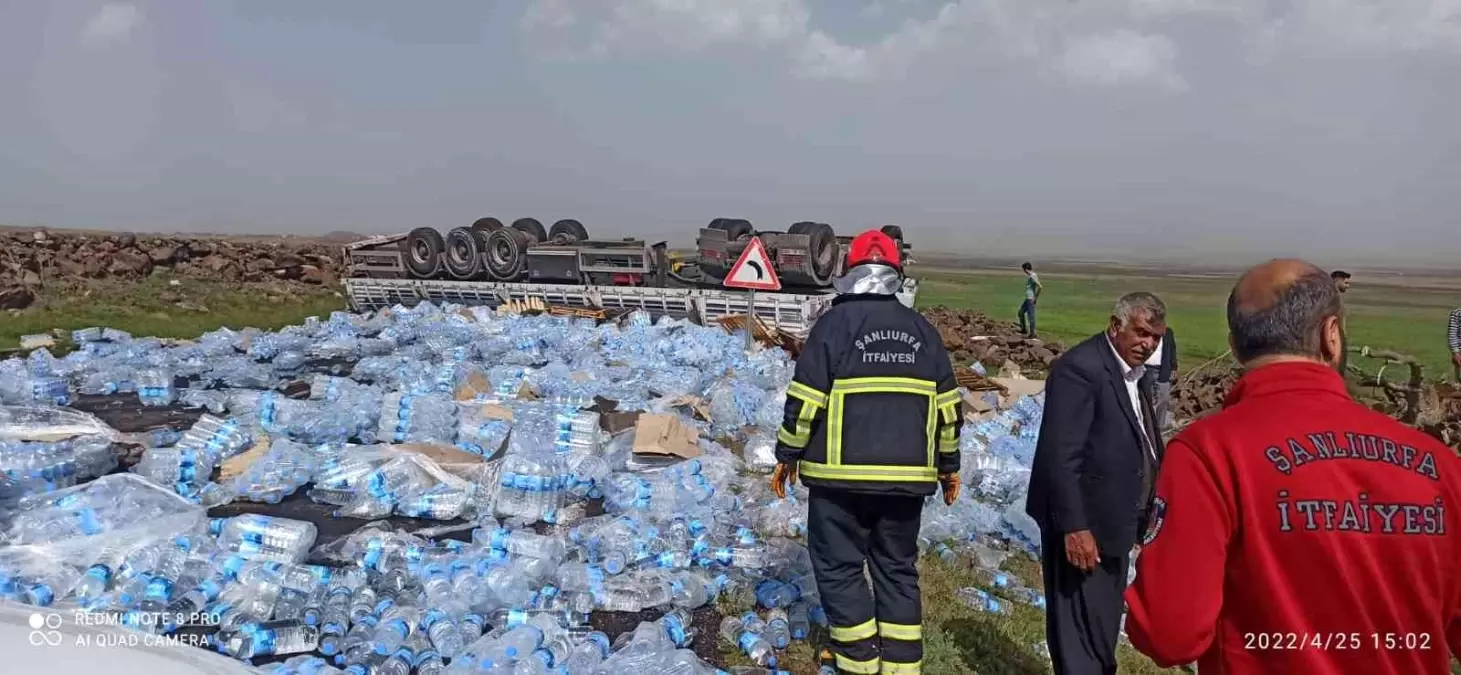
(753, 269)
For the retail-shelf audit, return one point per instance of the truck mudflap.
(789, 313)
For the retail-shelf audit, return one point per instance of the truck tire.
(893, 231)
(424, 247)
(463, 256)
(481, 237)
(822, 249)
(800, 228)
(532, 228)
(488, 224)
(567, 231)
(735, 228)
(507, 254)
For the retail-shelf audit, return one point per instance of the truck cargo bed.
(792, 313)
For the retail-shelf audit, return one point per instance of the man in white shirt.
(1093, 481)
(1161, 370)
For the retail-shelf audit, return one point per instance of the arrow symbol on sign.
(760, 273)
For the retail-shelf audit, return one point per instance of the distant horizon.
(1439, 264)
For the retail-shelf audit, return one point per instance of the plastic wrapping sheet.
(42, 423)
(50, 540)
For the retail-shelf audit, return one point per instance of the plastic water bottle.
(993, 578)
(155, 387)
(757, 649)
(274, 638)
(588, 653)
(265, 537)
(778, 631)
(982, 601)
(797, 620)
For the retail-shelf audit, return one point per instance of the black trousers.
(1082, 609)
(881, 630)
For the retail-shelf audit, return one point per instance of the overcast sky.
(1329, 128)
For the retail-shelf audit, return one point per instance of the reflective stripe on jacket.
(873, 406)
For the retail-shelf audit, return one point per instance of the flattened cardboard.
(236, 465)
(1018, 387)
(476, 384)
(441, 454)
(974, 403)
(615, 422)
(694, 403)
(665, 435)
(495, 411)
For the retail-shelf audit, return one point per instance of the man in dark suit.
(1092, 482)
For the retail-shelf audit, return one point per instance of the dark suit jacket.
(1088, 464)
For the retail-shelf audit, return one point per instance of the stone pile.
(1202, 393)
(972, 336)
(34, 259)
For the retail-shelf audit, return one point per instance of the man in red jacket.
(1297, 531)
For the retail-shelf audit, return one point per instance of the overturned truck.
(489, 263)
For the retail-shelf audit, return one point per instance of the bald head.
(1282, 308)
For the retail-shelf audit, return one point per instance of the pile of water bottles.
(674, 535)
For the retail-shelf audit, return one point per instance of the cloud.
(1122, 57)
(1357, 26)
(112, 24)
(1111, 43)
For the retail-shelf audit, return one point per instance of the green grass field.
(1075, 306)
(156, 308)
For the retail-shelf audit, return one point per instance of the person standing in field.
(1298, 531)
(1032, 296)
(1453, 340)
(1341, 280)
(1161, 370)
(1091, 484)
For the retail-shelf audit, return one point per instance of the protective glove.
(785, 473)
(949, 482)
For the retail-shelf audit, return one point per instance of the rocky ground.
(971, 336)
(32, 260)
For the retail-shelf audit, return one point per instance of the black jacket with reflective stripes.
(873, 406)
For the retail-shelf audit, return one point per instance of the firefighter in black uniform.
(872, 426)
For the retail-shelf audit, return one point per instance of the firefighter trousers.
(881, 631)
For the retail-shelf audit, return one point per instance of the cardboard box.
(441, 454)
(238, 464)
(665, 436)
(476, 384)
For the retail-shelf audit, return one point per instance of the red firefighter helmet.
(873, 246)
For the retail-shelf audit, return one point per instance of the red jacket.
(1297, 531)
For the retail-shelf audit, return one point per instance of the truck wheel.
(507, 254)
(532, 228)
(822, 249)
(736, 228)
(424, 247)
(463, 257)
(482, 248)
(800, 228)
(893, 231)
(567, 231)
(487, 224)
